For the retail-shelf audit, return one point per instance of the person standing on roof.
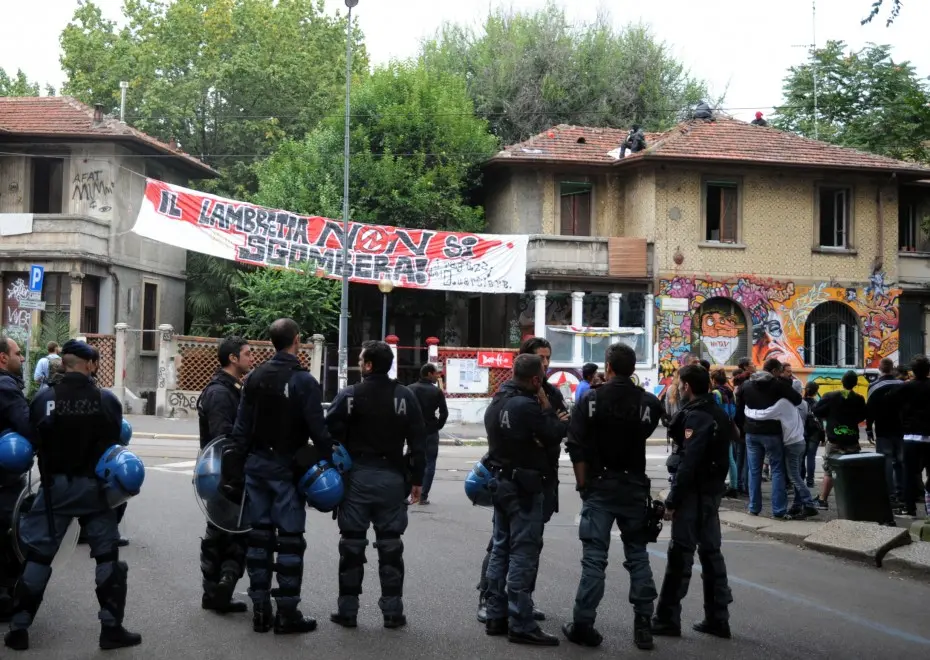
(759, 121)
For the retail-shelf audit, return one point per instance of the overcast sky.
(743, 47)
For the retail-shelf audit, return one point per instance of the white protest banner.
(411, 258)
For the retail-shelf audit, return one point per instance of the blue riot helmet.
(476, 485)
(16, 453)
(207, 476)
(322, 487)
(122, 472)
(125, 433)
(341, 459)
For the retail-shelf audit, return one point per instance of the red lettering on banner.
(495, 360)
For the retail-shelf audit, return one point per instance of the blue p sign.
(36, 275)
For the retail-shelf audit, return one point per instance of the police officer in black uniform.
(522, 428)
(14, 416)
(607, 445)
(373, 420)
(701, 433)
(281, 406)
(541, 347)
(75, 424)
(222, 555)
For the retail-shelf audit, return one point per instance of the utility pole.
(812, 48)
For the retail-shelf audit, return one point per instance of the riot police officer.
(541, 347)
(281, 406)
(607, 445)
(522, 428)
(14, 416)
(76, 423)
(701, 433)
(222, 555)
(373, 420)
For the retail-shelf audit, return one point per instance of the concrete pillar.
(539, 313)
(316, 359)
(650, 322)
(77, 306)
(393, 341)
(613, 310)
(432, 348)
(165, 331)
(578, 322)
(119, 363)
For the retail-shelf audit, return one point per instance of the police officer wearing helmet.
(76, 423)
(281, 406)
(373, 420)
(607, 445)
(701, 433)
(541, 347)
(222, 555)
(522, 428)
(14, 416)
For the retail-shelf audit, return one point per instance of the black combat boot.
(293, 622)
(262, 617)
(395, 620)
(642, 633)
(6, 605)
(583, 634)
(535, 638)
(18, 640)
(713, 627)
(665, 627)
(344, 620)
(538, 614)
(218, 597)
(117, 637)
(496, 627)
(482, 614)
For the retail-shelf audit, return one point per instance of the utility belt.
(530, 482)
(610, 478)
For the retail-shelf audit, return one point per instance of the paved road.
(790, 603)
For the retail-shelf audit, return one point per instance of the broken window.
(575, 210)
(834, 217)
(721, 211)
(47, 185)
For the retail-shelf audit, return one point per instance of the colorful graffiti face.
(777, 312)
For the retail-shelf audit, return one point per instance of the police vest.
(617, 423)
(278, 424)
(510, 442)
(203, 418)
(377, 420)
(72, 442)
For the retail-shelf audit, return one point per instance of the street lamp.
(385, 286)
(343, 373)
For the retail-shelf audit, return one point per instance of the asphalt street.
(789, 603)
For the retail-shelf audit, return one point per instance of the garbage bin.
(861, 489)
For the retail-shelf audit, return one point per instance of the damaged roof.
(723, 140)
(64, 117)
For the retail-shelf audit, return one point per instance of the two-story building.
(721, 240)
(71, 181)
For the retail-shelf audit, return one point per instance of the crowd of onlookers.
(782, 425)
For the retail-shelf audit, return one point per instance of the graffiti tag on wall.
(93, 187)
(16, 321)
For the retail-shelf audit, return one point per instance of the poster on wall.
(410, 258)
(464, 376)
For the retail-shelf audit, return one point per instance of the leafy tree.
(266, 295)
(416, 154)
(865, 100)
(877, 7)
(527, 71)
(19, 85)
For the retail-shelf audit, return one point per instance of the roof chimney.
(98, 114)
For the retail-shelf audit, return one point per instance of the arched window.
(719, 332)
(832, 337)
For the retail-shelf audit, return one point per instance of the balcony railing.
(60, 234)
(620, 257)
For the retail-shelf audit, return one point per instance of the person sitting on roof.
(635, 141)
(759, 121)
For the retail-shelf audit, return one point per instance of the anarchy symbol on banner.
(373, 240)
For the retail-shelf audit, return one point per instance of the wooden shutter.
(627, 257)
(729, 216)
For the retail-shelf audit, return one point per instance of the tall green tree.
(416, 152)
(527, 71)
(19, 85)
(865, 100)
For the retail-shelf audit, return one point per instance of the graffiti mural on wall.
(777, 312)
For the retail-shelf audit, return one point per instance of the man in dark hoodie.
(843, 410)
(883, 428)
(763, 390)
(14, 416)
(910, 400)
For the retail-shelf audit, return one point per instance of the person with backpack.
(813, 434)
(724, 397)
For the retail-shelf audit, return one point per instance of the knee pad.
(261, 537)
(390, 548)
(290, 564)
(111, 592)
(352, 563)
(291, 543)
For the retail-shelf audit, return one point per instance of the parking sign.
(36, 275)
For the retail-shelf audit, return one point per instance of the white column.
(119, 363)
(164, 349)
(539, 313)
(613, 310)
(432, 344)
(578, 322)
(392, 341)
(650, 329)
(77, 303)
(316, 358)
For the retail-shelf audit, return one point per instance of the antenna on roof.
(123, 86)
(813, 51)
